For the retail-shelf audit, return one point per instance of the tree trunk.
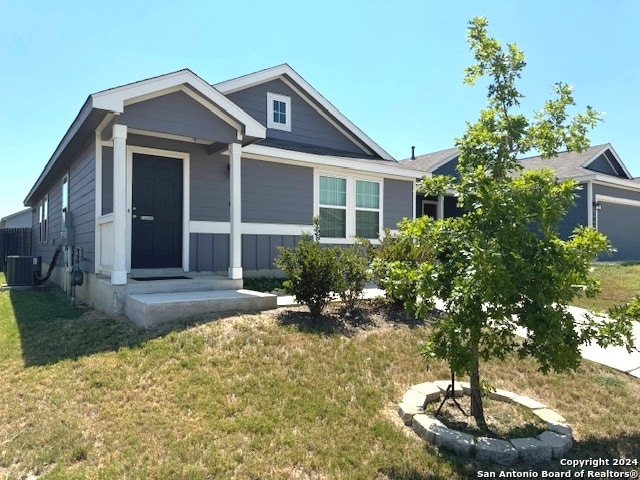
(477, 410)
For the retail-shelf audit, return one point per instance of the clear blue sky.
(394, 68)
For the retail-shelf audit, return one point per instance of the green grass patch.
(619, 282)
(250, 396)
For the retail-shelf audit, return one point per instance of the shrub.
(313, 271)
(394, 259)
(354, 274)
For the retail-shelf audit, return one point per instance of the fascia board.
(373, 166)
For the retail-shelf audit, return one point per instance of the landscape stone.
(429, 389)
(502, 395)
(443, 384)
(549, 415)
(560, 444)
(561, 428)
(496, 451)
(408, 411)
(423, 424)
(532, 450)
(412, 397)
(528, 402)
(466, 387)
(459, 442)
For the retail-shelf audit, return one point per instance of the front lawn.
(620, 282)
(272, 395)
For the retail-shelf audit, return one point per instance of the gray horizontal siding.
(177, 113)
(209, 177)
(210, 188)
(307, 125)
(107, 180)
(82, 187)
(210, 252)
(577, 215)
(398, 202)
(276, 193)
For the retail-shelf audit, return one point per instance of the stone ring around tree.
(554, 443)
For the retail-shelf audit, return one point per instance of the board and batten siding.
(210, 252)
(398, 198)
(276, 193)
(307, 125)
(577, 215)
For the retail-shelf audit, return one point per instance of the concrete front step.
(148, 309)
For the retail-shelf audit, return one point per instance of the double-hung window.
(367, 209)
(333, 207)
(349, 207)
(43, 217)
(278, 112)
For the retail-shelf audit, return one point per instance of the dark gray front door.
(156, 237)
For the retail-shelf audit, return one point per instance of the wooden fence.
(14, 241)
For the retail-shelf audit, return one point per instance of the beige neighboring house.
(21, 219)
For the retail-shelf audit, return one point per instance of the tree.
(502, 265)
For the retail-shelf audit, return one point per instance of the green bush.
(316, 273)
(394, 259)
(313, 272)
(354, 274)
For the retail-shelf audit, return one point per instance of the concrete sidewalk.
(615, 357)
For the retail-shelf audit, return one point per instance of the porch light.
(597, 206)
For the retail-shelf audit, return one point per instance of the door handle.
(134, 216)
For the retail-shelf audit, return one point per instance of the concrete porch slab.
(149, 309)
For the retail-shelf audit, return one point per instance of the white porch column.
(119, 271)
(235, 214)
(440, 207)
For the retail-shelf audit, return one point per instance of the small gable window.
(278, 112)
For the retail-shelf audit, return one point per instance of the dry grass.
(273, 395)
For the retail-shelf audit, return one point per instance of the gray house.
(171, 175)
(608, 197)
(21, 219)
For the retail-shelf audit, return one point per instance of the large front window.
(367, 209)
(333, 207)
(348, 207)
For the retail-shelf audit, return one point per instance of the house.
(608, 197)
(172, 175)
(21, 219)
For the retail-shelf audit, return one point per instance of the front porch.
(153, 297)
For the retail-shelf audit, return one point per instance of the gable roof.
(564, 164)
(431, 161)
(576, 164)
(311, 95)
(113, 101)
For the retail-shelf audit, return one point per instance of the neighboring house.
(173, 174)
(608, 198)
(21, 219)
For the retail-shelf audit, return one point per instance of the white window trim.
(280, 98)
(351, 204)
(43, 219)
(64, 199)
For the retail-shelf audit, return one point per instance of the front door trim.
(185, 157)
